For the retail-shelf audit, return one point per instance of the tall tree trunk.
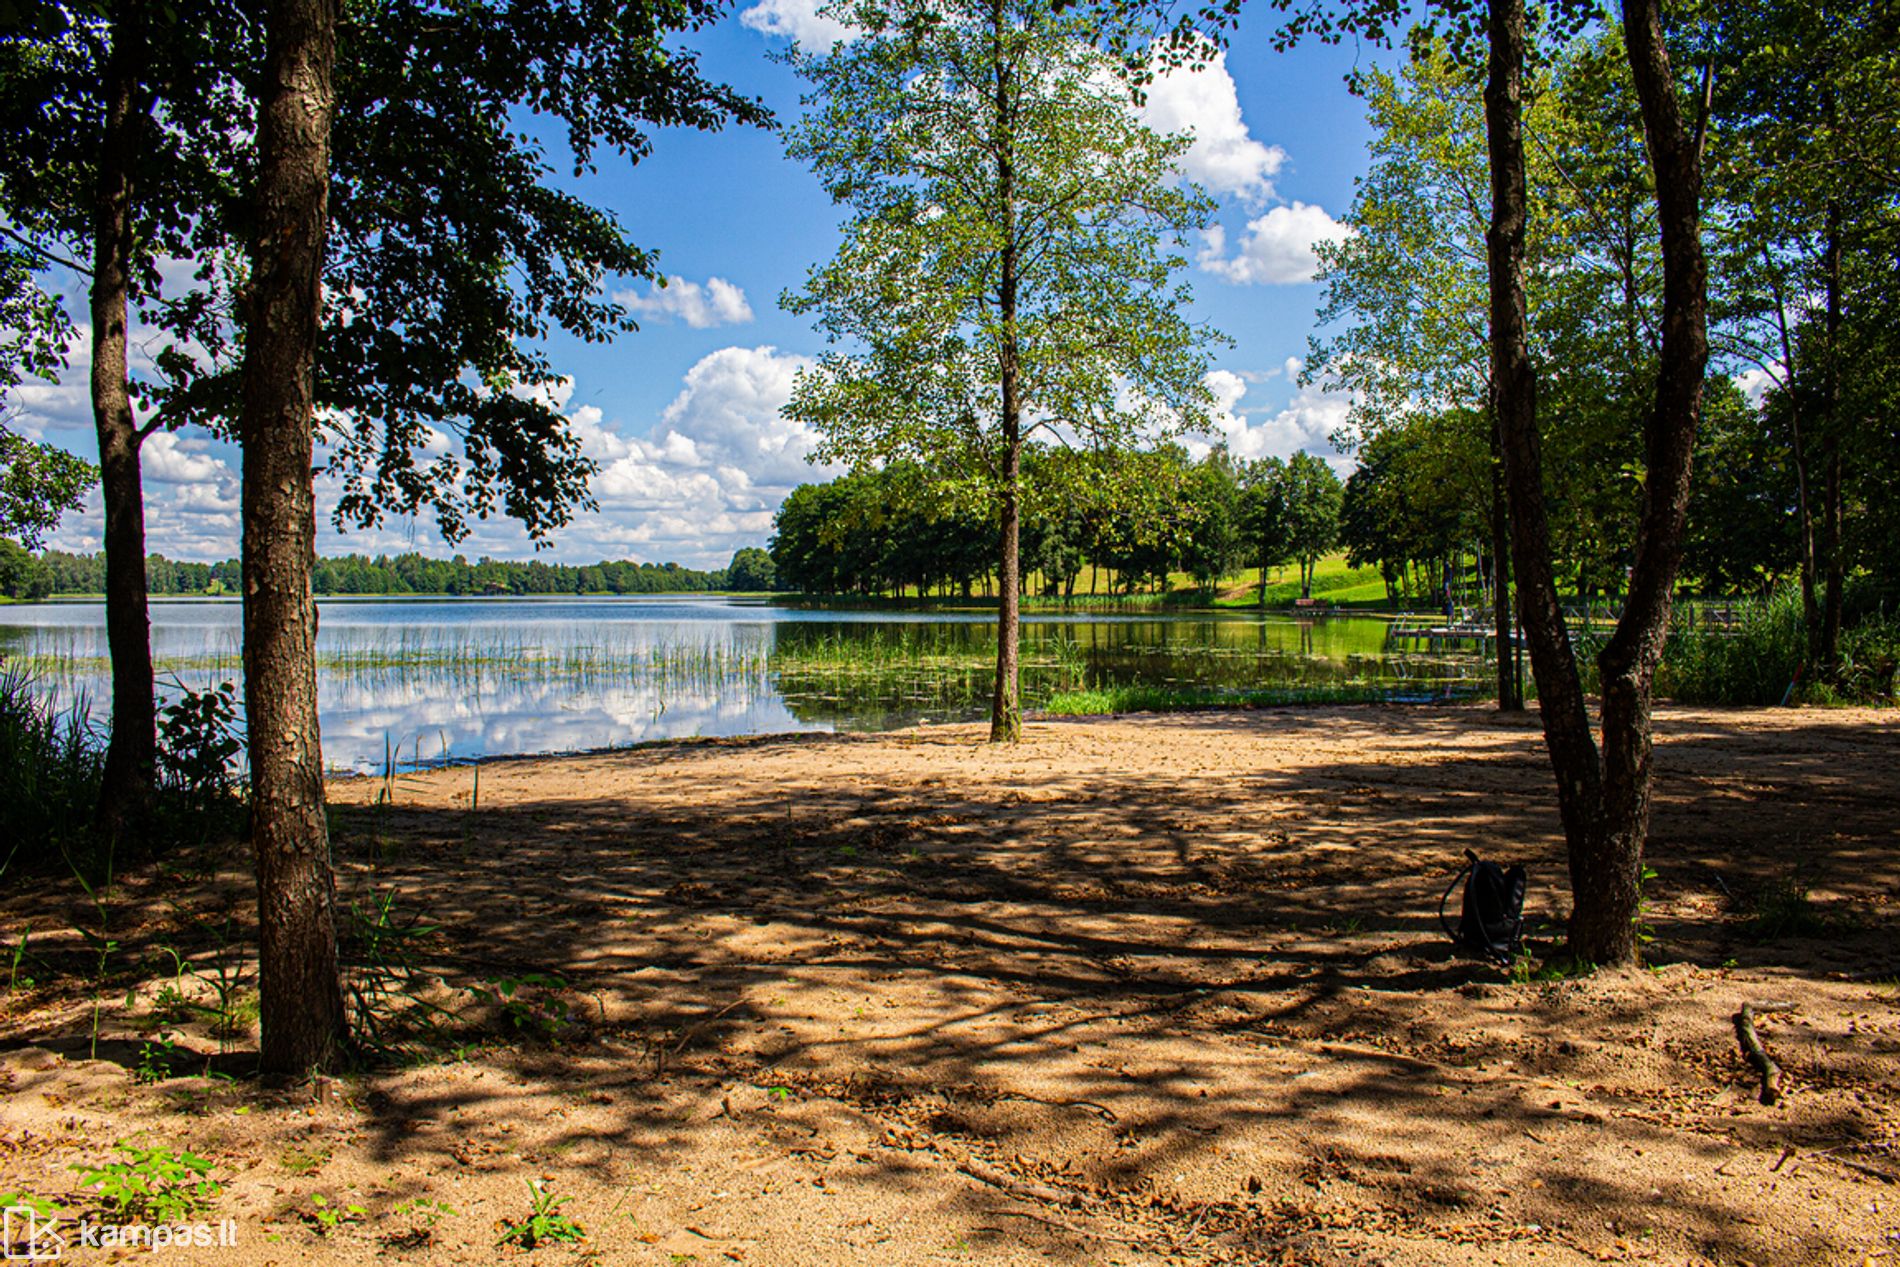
(1603, 928)
(1828, 650)
(302, 1001)
(1510, 690)
(1560, 699)
(131, 755)
(1804, 504)
(1006, 711)
(1604, 807)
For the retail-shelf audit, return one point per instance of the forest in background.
(56, 572)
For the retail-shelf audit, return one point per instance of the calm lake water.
(461, 679)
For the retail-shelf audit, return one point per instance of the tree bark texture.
(1510, 690)
(302, 1002)
(131, 754)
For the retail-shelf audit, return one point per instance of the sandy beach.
(1150, 989)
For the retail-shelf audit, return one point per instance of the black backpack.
(1491, 925)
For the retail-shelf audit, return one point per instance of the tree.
(450, 251)
(1602, 796)
(1805, 180)
(300, 992)
(22, 575)
(750, 569)
(449, 258)
(1216, 547)
(38, 482)
(122, 128)
(1309, 495)
(1005, 271)
(1263, 517)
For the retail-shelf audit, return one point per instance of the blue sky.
(683, 416)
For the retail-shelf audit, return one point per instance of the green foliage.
(159, 1184)
(1527, 969)
(303, 1162)
(51, 764)
(1752, 659)
(411, 573)
(21, 575)
(885, 531)
(380, 946)
(459, 249)
(530, 1003)
(959, 144)
(14, 980)
(52, 761)
(326, 1217)
(198, 740)
(156, 1059)
(751, 571)
(544, 1224)
(1297, 512)
(38, 483)
(1007, 277)
(452, 249)
(1216, 546)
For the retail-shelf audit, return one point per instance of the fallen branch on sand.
(1020, 1187)
(1756, 1053)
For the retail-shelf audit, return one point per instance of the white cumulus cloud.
(1204, 104)
(1305, 423)
(168, 459)
(1755, 384)
(717, 303)
(798, 20)
(1276, 249)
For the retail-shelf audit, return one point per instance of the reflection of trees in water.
(492, 687)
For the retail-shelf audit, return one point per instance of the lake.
(460, 679)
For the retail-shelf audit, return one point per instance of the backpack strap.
(1471, 860)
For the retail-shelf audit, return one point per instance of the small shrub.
(544, 1223)
(153, 1183)
(530, 1003)
(156, 1059)
(198, 740)
(380, 946)
(325, 1217)
(52, 765)
(303, 1161)
(1782, 908)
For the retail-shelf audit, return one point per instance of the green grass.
(1335, 583)
(1103, 701)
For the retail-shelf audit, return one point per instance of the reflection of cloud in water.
(475, 678)
(504, 718)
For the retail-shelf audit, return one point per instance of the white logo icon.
(28, 1236)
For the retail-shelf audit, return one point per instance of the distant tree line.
(24, 575)
(1128, 521)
